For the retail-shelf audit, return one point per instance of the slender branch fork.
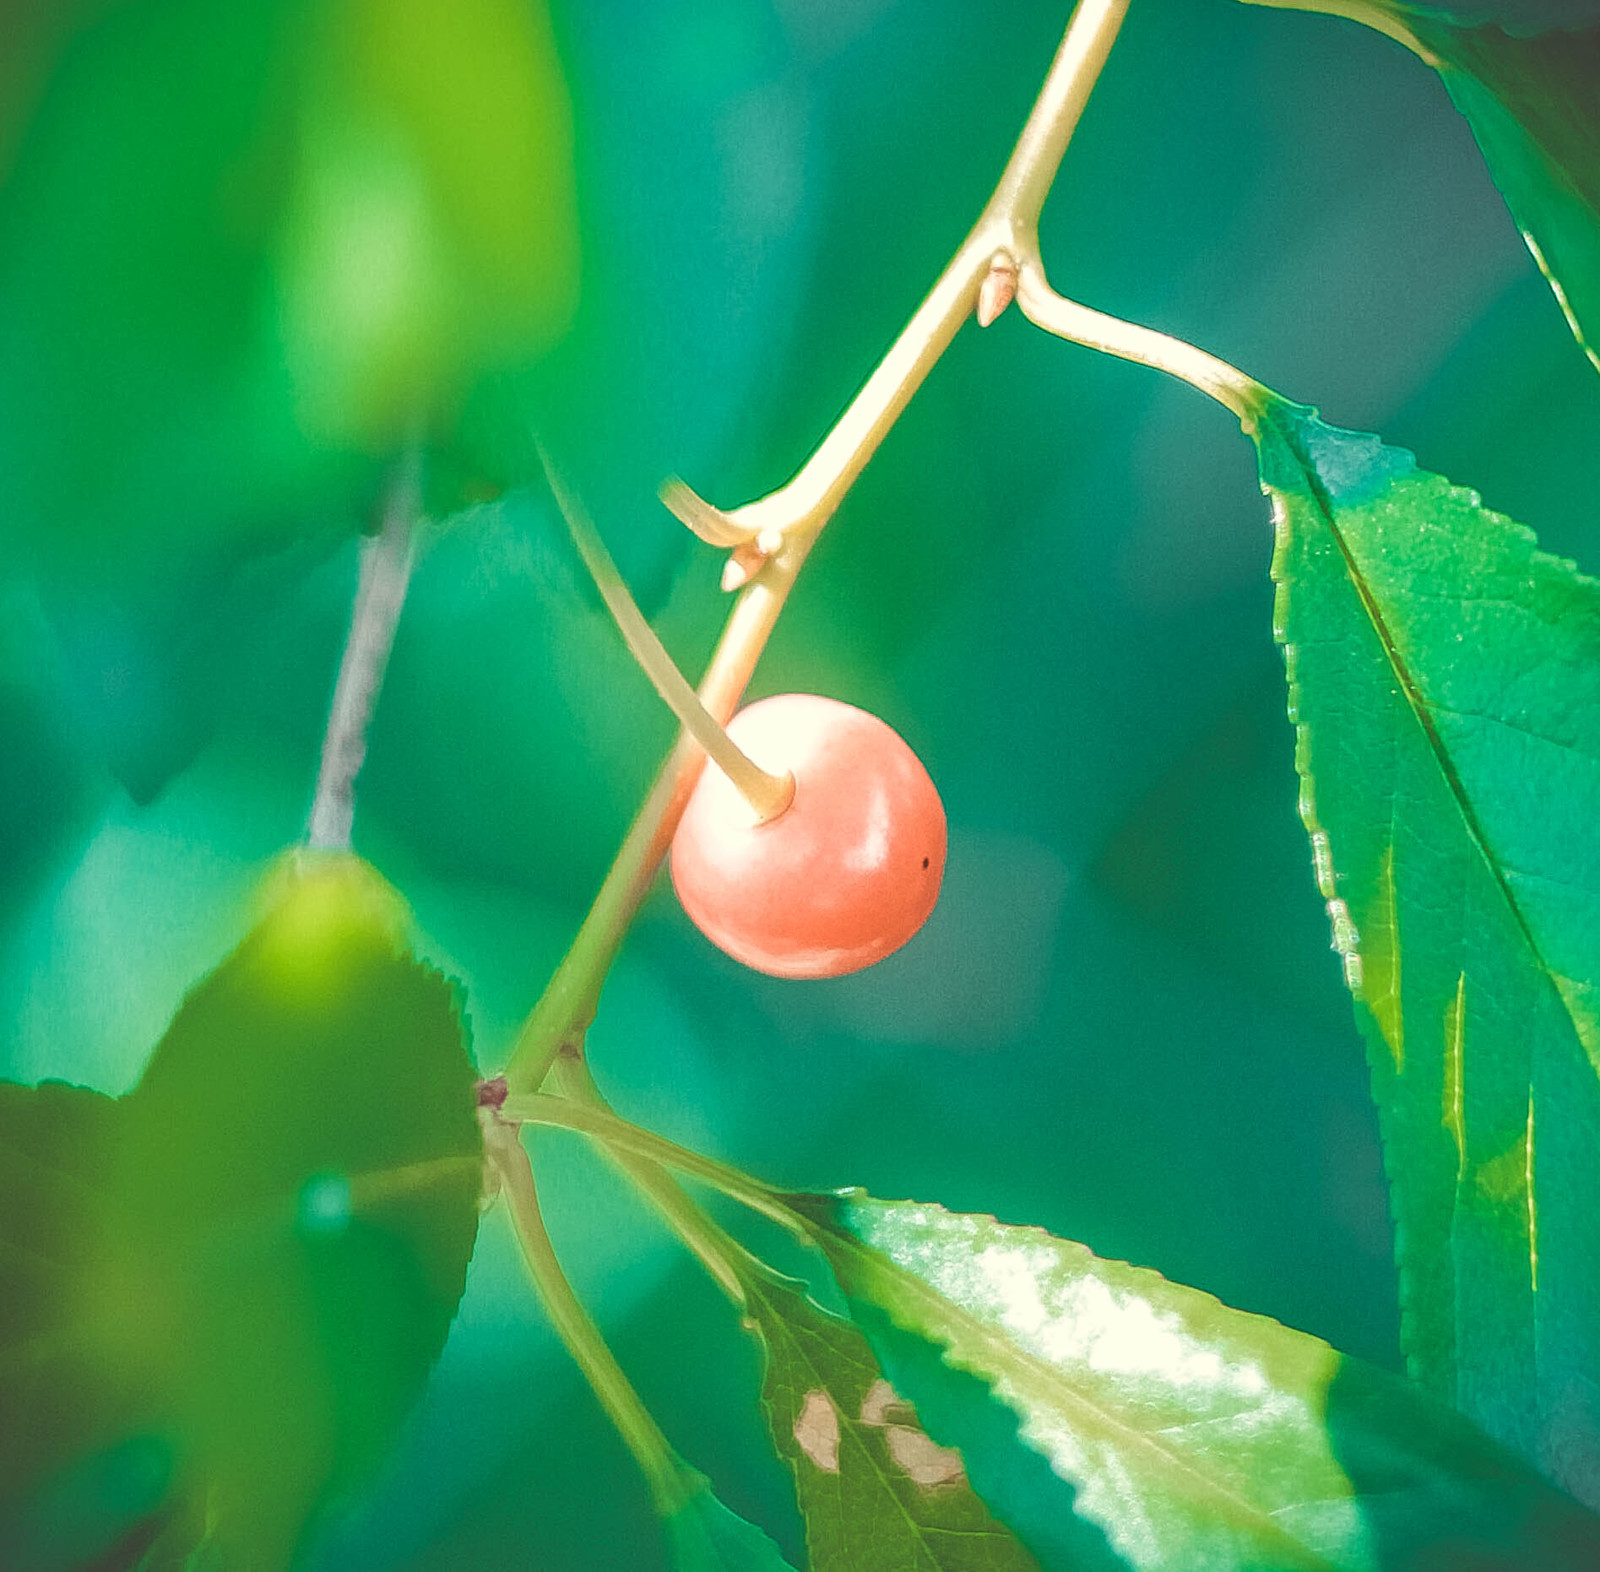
(1000, 253)
(997, 263)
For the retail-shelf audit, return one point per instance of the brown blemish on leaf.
(923, 1461)
(817, 1431)
(883, 1406)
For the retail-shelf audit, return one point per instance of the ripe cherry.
(841, 877)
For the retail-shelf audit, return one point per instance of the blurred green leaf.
(432, 228)
(528, 779)
(1196, 1436)
(60, 1414)
(704, 1536)
(877, 1494)
(1445, 682)
(1534, 105)
(243, 249)
(245, 253)
(225, 1289)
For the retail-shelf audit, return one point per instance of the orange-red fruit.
(845, 875)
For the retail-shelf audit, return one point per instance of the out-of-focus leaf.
(704, 1536)
(1445, 683)
(253, 1257)
(61, 1415)
(137, 238)
(530, 779)
(243, 246)
(246, 252)
(877, 1494)
(1196, 1436)
(1534, 105)
(432, 228)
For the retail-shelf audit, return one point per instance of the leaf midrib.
(1419, 710)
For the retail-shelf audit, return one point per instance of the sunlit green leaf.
(877, 1494)
(1445, 682)
(225, 1289)
(1197, 1437)
(1534, 105)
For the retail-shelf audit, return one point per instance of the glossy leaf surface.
(1196, 1436)
(1445, 683)
(253, 1257)
(1533, 102)
(877, 1494)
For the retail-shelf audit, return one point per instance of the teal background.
(1123, 1022)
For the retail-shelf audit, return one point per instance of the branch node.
(998, 289)
(745, 561)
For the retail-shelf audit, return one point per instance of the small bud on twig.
(998, 289)
(744, 562)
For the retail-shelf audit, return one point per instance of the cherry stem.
(670, 1483)
(768, 795)
(381, 584)
(1008, 226)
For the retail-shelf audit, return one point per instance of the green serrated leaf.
(1199, 1438)
(233, 1281)
(1445, 684)
(705, 1536)
(1534, 105)
(877, 1494)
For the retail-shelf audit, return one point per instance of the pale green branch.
(1127, 340)
(796, 513)
(670, 1484)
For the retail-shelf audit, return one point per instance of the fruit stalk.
(768, 795)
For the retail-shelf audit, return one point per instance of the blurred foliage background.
(245, 251)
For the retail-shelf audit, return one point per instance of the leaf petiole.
(1007, 226)
(717, 1251)
(1078, 324)
(619, 1134)
(384, 575)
